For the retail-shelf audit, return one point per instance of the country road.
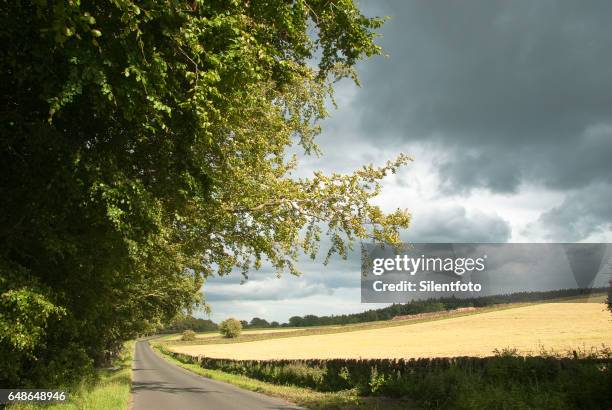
(158, 384)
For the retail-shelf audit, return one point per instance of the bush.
(188, 335)
(230, 328)
(300, 374)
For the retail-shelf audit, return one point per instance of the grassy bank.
(346, 399)
(108, 389)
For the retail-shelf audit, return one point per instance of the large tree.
(144, 148)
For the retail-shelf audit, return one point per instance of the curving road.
(158, 384)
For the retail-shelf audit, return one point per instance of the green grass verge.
(347, 399)
(108, 389)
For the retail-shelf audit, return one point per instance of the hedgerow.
(505, 380)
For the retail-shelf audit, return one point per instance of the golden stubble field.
(558, 326)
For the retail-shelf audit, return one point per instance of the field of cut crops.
(553, 326)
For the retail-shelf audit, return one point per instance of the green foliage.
(143, 148)
(230, 328)
(24, 314)
(257, 322)
(299, 374)
(188, 322)
(377, 381)
(546, 381)
(188, 335)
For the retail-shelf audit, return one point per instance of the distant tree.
(310, 320)
(370, 316)
(230, 328)
(437, 307)
(274, 324)
(258, 322)
(204, 325)
(189, 322)
(188, 335)
(296, 321)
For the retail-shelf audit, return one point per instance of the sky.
(506, 108)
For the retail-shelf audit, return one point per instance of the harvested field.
(557, 326)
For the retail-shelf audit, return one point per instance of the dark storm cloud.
(514, 90)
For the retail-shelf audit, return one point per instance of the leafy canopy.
(144, 148)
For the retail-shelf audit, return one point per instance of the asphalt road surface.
(158, 384)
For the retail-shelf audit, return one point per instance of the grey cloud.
(581, 214)
(466, 171)
(454, 224)
(510, 87)
(317, 279)
(573, 164)
(271, 289)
